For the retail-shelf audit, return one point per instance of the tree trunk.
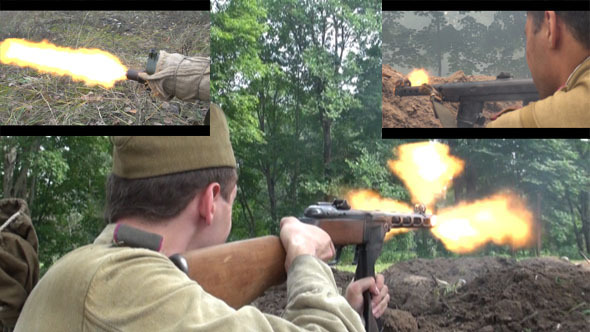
(584, 213)
(326, 130)
(470, 182)
(294, 178)
(458, 185)
(539, 225)
(439, 49)
(249, 216)
(270, 184)
(9, 164)
(577, 232)
(16, 185)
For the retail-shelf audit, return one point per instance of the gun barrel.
(411, 220)
(496, 90)
(412, 91)
(347, 226)
(133, 74)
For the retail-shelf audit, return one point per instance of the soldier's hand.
(379, 292)
(153, 86)
(303, 239)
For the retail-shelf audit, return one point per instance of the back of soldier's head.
(154, 178)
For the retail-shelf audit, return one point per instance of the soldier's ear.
(206, 202)
(553, 33)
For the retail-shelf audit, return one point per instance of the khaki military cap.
(137, 157)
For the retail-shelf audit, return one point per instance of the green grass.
(379, 267)
(29, 97)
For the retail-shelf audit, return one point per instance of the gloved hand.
(186, 78)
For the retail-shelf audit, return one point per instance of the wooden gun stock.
(239, 272)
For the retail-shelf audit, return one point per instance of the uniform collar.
(106, 236)
(572, 74)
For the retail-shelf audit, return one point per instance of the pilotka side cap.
(137, 157)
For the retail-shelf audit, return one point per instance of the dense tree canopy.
(63, 180)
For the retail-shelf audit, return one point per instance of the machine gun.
(471, 96)
(171, 75)
(229, 273)
(150, 68)
(365, 229)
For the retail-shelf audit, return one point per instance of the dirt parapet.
(416, 112)
(476, 294)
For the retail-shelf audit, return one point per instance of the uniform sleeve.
(565, 109)
(507, 120)
(150, 294)
(313, 299)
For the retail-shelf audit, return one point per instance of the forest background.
(443, 42)
(300, 82)
(63, 180)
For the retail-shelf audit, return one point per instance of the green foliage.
(294, 88)
(304, 114)
(64, 181)
(64, 187)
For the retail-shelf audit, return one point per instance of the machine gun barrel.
(347, 226)
(133, 75)
(496, 90)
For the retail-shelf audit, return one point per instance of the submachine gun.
(150, 68)
(239, 272)
(366, 230)
(471, 96)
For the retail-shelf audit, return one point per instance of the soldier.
(558, 55)
(19, 267)
(176, 75)
(183, 188)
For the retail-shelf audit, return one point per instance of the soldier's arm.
(150, 293)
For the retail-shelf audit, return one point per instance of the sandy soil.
(416, 112)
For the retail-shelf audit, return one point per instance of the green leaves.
(63, 181)
(235, 31)
(299, 75)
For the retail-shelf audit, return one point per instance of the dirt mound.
(493, 294)
(413, 112)
(477, 294)
(420, 282)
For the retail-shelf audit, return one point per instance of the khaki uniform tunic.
(568, 107)
(100, 287)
